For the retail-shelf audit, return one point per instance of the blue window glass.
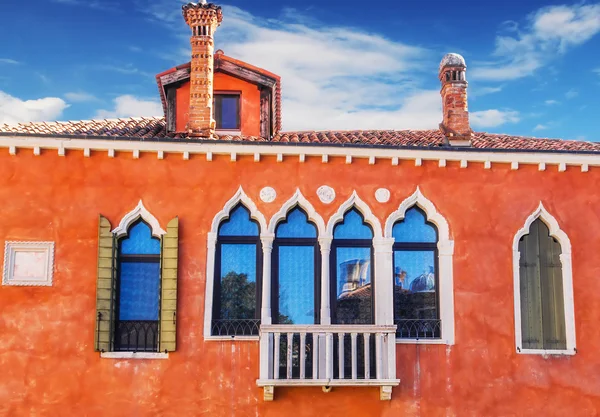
(296, 285)
(353, 227)
(227, 111)
(139, 241)
(139, 291)
(414, 228)
(296, 226)
(238, 281)
(239, 224)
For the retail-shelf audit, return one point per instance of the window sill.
(231, 132)
(546, 353)
(231, 338)
(134, 355)
(422, 342)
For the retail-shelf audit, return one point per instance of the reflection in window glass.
(414, 228)
(296, 285)
(239, 224)
(352, 227)
(354, 296)
(296, 226)
(238, 281)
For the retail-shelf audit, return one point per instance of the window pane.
(239, 224)
(227, 111)
(414, 285)
(238, 281)
(414, 228)
(353, 227)
(139, 241)
(296, 226)
(139, 290)
(296, 285)
(353, 286)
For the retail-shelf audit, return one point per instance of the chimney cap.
(452, 60)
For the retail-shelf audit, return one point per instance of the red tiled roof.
(154, 128)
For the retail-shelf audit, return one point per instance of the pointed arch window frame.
(445, 253)
(239, 198)
(567, 280)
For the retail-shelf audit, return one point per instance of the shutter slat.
(104, 286)
(168, 299)
(552, 294)
(531, 313)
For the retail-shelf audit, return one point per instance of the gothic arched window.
(416, 288)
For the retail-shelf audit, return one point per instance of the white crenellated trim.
(567, 275)
(139, 212)
(362, 207)
(299, 200)
(239, 197)
(445, 264)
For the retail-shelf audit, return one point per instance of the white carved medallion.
(28, 263)
(326, 194)
(268, 194)
(382, 195)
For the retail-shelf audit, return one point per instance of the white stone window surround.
(445, 273)
(37, 271)
(139, 212)
(240, 197)
(567, 275)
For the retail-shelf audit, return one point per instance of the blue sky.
(533, 66)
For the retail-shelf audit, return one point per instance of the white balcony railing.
(328, 356)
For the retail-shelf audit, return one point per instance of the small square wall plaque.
(28, 263)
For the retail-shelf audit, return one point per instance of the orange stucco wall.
(48, 366)
(250, 102)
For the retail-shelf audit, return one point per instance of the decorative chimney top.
(453, 76)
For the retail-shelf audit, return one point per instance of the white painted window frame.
(11, 248)
(567, 276)
(240, 197)
(445, 273)
(139, 212)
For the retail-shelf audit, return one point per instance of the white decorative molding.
(134, 215)
(442, 163)
(487, 165)
(186, 156)
(325, 158)
(297, 200)
(418, 162)
(302, 158)
(464, 163)
(256, 157)
(395, 161)
(383, 195)
(362, 207)
(268, 194)
(239, 197)
(28, 264)
(445, 260)
(542, 166)
(134, 355)
(326, 194)
(567, 275)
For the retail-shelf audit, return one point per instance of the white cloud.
(551, 102)
(493, 118)
(130, 106)
(549, 32)
(92, 4)
(483, 91)
(80, 97)
(9, 61)
(14, 110)
(540, 127)
(572, 93)
(597, 71)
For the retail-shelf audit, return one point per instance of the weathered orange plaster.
(249, 104)
(48, 366)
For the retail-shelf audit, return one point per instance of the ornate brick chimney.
(455, 126)
(204, 19)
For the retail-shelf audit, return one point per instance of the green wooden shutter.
(168, 299)
(105, 283)
(553, 311)
(531, 302)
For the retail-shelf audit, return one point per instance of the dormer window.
(227, 111)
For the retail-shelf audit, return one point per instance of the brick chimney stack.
(455, 125)
(204, 19)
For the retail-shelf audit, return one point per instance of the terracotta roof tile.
(154, 128)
